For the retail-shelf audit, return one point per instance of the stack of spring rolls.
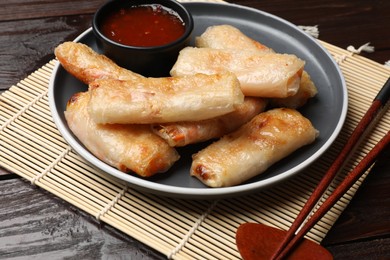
(228, 88)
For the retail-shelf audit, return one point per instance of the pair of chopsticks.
(290, 240)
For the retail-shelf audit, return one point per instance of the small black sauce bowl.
(154, 61)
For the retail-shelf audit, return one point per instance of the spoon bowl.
(260, 242)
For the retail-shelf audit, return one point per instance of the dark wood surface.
(33, 223)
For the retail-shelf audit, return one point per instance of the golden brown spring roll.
(253, 148)
(161, 100)
(126, 147)
(184, 133)
(306, 90)
(87, 65)
(269, 75)
(229, 37)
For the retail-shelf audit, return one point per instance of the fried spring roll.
(184, 133)
(125, 147)
(87, 65)
(161, 100)
(229, 37)
(269, 75)
(253, 148)
(306, 90)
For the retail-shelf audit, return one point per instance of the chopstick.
(347, 183)
(289, 241)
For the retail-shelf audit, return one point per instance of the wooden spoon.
(257, 241)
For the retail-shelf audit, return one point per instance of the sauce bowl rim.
(188, 25)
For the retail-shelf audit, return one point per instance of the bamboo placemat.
(32, 147)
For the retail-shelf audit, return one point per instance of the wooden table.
(34, 223)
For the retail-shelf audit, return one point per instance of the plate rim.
(207, 192)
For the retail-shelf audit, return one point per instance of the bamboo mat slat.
(32, 147)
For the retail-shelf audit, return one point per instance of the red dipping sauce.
(143, 26)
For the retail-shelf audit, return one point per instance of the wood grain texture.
(35, 224)
(29, 9)
(362, 250)
(31, 29)
(341, 23)
(26, 45)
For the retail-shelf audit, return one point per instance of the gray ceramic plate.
(327, 111)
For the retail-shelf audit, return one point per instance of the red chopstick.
(376, 107)
(347, 183)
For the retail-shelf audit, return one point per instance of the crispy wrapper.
(253, 148)
(126, 147)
